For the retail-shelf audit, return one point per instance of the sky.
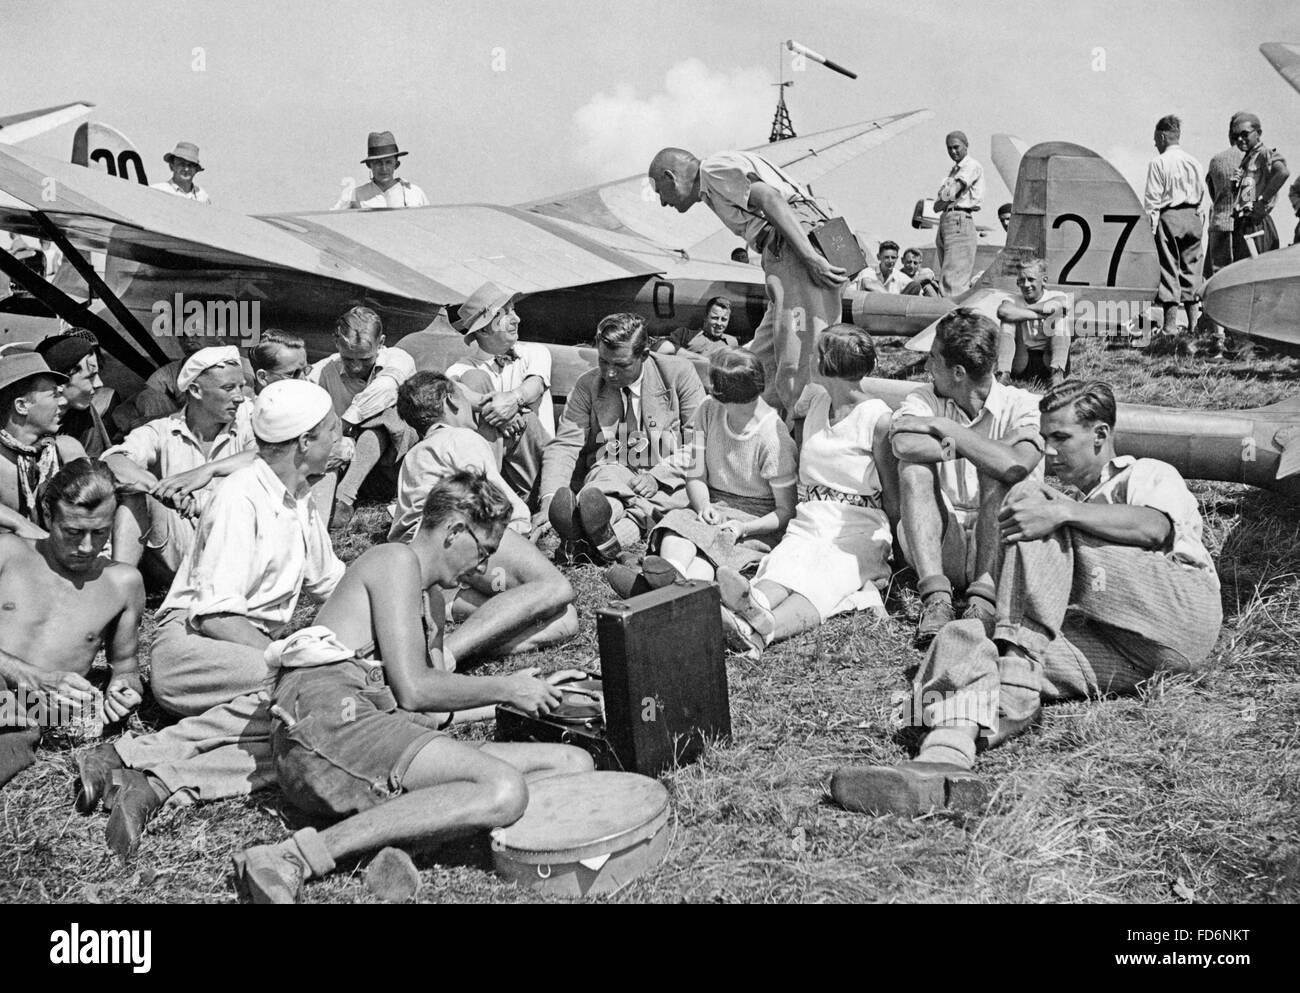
(505, 102)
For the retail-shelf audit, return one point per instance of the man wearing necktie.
(622, 421)
(509, 383)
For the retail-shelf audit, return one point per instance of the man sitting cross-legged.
(360, 699)
(168, 468)
(621, 423)
(260, 544)
(61, 602)
(1095, 596)
(961, 442)
(521, 602)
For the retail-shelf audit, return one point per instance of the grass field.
(1189, 792)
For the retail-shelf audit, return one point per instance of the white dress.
(835, 553)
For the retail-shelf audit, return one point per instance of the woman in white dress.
(835, 554)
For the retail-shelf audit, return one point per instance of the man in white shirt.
(166, 469)
(184, 164)
(260, 545)
(362, 378)
(1174, 200)
(962, 441)
(384, 188)
(774, 215)
(1096, 596)
(1035, 341)
(508, 381)
(890, 279)
(959, 198)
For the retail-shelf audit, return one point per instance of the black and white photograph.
(605, 453)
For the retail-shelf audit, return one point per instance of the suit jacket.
(589, 430)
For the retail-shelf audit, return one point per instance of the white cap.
(289, 409)
(203, 360)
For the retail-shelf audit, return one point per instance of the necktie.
(635, 439)
(630, 419)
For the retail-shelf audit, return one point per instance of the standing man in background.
(184, 164)
(1175, 191)
(959, 199)
(384, 188)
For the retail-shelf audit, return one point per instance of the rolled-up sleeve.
(143, 446)
(395, 368)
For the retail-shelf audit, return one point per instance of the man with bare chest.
(59, 603)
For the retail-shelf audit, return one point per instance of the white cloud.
(699, 109)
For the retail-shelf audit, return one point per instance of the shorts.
(350, 746)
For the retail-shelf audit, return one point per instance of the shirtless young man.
(343, 749)
(59, 602)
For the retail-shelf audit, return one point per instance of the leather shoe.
(134, 806)
(95, 769)
(936, 611)
(563, 515)
(978, 609)
(595, 515)
(909, 788)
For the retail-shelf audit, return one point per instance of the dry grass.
(1188, 792)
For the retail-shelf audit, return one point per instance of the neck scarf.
(36, 465)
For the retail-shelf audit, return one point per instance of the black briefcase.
(664, 674)
(589, 735)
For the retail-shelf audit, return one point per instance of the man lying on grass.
(1095, 596)
(59, 602)
(361, 698)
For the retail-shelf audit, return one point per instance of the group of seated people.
(798, 515)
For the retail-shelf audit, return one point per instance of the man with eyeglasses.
(362, 698)
(32, 406)
(184, 164)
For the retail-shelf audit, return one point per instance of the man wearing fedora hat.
(260, 545)
(509, 383)
(384, 188)
(184, 163)
(32, 406)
